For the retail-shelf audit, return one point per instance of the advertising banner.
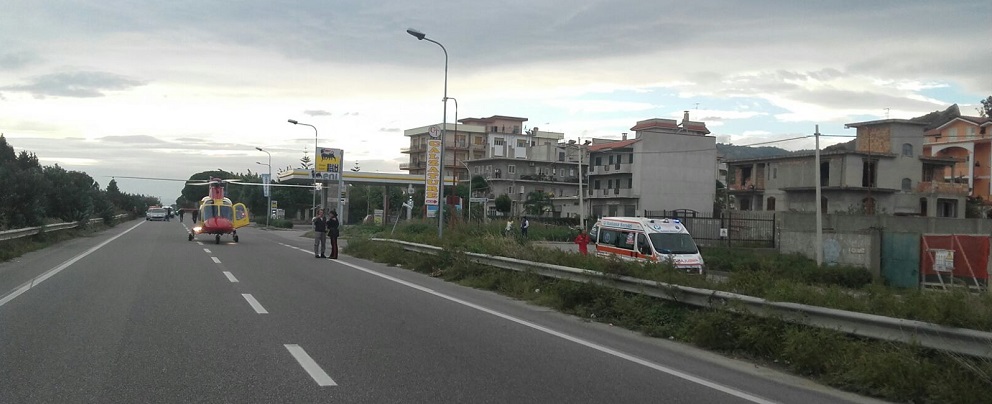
(327, 164)
(433, 176)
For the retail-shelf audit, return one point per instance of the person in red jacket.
(582, 240)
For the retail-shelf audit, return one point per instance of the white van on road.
(644, 239)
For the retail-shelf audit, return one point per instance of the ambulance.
(644, 239)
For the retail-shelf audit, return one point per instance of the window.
(596, 184)
(516, 129)
(825, 173)
(498, 141)
(869, 173)
(561, 156)
(774, 172)
(599, 161)
(971, 132)
(630, 182)
(495, 129)
(823, 204)
(521, 142)
(611, 159)
(479, 140)
(498, 173)
(512, 169)
(609, 184)
(868, 205)
(907, 150)
(952, 133)
(509, 190)
(771, 203)
(907, 184)
(631, 158)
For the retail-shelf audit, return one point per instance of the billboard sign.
(327, 164)
(433, 177)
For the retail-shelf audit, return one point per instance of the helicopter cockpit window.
(225, 212)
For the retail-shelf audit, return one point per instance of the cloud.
(135, 139)
(391, 130)
(17, 60)
(76, 84)
(316, 112)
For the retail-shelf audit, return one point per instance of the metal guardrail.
(958, 340)
(30, 231)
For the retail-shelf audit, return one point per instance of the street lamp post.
(444, 126)
(268, 208)
(313, 207)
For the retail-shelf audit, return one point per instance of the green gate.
(901, 259)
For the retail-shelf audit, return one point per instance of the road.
(139, 314)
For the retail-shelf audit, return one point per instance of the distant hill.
(731, 152)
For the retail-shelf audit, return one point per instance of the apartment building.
(668, 165)
(968, 140)
(513, 161)
(885, 173)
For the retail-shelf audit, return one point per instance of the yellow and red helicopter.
(217, 214)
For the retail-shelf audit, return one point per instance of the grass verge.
(10, 249)
(886, 370)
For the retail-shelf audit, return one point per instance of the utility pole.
(819, 216)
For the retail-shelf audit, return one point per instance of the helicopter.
(217, 214)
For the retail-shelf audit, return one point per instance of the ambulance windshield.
(673, 243)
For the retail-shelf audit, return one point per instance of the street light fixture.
(313, 207)
(444, 126)
(268, 207)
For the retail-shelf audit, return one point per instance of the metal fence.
(729, 229)
(951, 339)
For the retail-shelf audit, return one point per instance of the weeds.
(887, 370)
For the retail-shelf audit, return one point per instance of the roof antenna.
(887, 113)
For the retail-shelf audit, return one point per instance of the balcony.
(613, 193)
(404, 166)
(937, 187)
(748, 187)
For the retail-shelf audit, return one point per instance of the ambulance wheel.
(190, 237)
(217, 239)
(235, 238)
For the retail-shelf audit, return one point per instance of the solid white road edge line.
(254, 303)
(51, 272)
(609, 351)
(215, 260)
(311, 366)
(230, 277)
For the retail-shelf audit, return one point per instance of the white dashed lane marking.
(254, 303)
(230, 277)
(216, 260)
(316, 372)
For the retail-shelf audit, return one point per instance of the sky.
(169, 89)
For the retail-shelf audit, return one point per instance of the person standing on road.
(524, 225)
(320, 234)
(195, 216)
(181, 214)
(582, 240)
(333, 232)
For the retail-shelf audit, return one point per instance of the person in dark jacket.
(320, 234)
(333, 232)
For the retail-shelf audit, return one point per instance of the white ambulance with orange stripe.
(644, 239)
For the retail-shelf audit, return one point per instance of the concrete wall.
(855, 239)
(675, 172)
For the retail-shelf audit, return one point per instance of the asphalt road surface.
(140, 314)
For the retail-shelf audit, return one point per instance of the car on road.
(156, 214)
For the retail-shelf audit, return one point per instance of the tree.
(503, 204)
(986, 109)
(306, 163)
(538, 203)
